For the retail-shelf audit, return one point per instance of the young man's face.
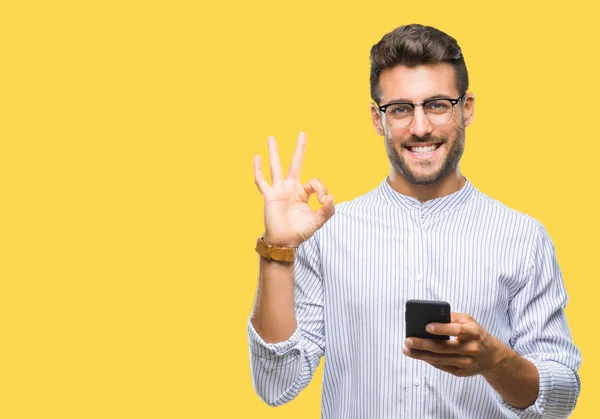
(416, 84)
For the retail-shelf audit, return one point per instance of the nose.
(420, 125)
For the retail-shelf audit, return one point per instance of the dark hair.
(413, 45)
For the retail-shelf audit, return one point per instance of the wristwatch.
(280, 254)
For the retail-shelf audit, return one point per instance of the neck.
(445, 186)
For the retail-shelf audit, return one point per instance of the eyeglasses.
(437, 111)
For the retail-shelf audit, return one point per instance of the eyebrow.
(438, 96)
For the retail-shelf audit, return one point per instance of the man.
(337, 285)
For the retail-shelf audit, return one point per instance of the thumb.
(456, 317)
(326, 211)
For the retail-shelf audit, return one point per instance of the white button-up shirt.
(354, 276)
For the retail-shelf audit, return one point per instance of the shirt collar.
(433, 206)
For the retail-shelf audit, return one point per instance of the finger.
(276, 174)
(315, 185)
(461, 331)
(327, 210)
(451, 329)
(439, 359)
(470, 331)
(441, 329)
(432, 345)
(259, 179)
(459, 372)
(298, 158)
(460, 317)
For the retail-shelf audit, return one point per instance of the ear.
(376, 119)
(469, 108)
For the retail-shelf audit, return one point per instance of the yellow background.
(128, 206)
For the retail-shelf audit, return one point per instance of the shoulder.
(499, 210)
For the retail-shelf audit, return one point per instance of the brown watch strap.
(280, 254)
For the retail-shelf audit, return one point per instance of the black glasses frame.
(382, 108)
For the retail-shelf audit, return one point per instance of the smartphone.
(419, 313)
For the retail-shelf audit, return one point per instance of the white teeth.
(423, 150)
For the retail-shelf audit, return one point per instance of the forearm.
(273, 316)
(515, 378)
(280, 371)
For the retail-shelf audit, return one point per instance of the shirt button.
(419, 277)
(416, 382)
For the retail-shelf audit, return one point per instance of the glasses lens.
(400, 114)
(438, 111)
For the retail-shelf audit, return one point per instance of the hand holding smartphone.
(419, 313)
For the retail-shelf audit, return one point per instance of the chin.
(418, 176)
(424, 180)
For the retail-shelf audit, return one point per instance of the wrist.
(269, 252)
(269, 240)
(502, 359)
(272, 262)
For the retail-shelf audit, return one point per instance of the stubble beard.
(449, 165)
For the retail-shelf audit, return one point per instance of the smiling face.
(423, 153)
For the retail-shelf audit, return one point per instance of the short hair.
(413, 45)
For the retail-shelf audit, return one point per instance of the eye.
(399, 109)
(438, 106)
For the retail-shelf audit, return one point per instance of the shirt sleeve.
(281, 370)
(541, 334)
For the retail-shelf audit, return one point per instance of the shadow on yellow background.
(128, 206)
